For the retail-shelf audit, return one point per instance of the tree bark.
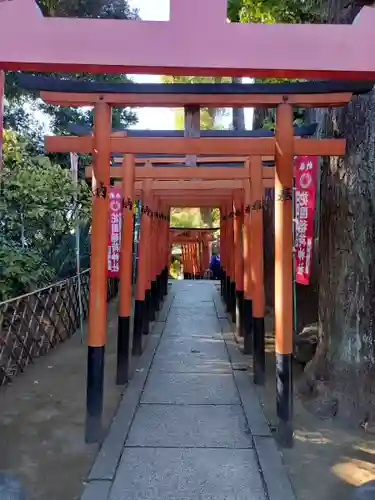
(238, 118)
(343, 369)
(206, 216)
(260, 114)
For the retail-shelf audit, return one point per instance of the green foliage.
(208, 115)
(186, 217)
(16, 116)
(208, 119)
(21, 270)
(274, 11)
(37, 217)
(175, 269)
(38, 211)
(215, 217)
(114, 9)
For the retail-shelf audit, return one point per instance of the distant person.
(215, 266)
(10, 488)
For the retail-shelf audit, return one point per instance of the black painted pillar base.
(139, 311)
(222, 282)
(248, 326)
(284, 399)
(233, 301)
(239, 313)
(162, 284)
(158, 292)
(161, 288)
(94, 394)
(146, 313)
(228, 293)
(259, 353)
(153, 301)
(165, 281)
(123, 346)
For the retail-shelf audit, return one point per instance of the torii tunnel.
(235, 186)
(195, 250)
(228, 170)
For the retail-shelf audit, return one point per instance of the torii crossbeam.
(278, 50)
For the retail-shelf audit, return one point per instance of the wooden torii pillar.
(238, 210)
(141, 316)
(97, 316)
(125, 299)
(257, 269)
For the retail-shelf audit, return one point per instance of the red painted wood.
(29, 41)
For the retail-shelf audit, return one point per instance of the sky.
(164, 118)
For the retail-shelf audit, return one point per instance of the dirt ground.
(328, 460)
(42, 416)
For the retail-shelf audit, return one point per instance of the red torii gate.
(198, 239)
(288, 51)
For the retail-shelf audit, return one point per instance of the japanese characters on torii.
(115, 210)
(304, 204)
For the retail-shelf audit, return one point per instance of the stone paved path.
(189, 437)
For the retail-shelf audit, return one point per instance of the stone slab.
(191, 355)
(109, 455)
(190, 388)
(192, 346)
(196, 296)
(164, 311)
(274, 473)
(97, 490)
(226, 327)
(219, 306)
(192, 311)
(255, 416)
(185, 364)
(189, 426)
(196, 305)
(237, 358)
(198, 322)
(192, 332)
(188, 474)
(188, 328)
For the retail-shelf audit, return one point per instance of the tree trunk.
(206, 216)
(260, 114)
(341, 375)
(238, 118)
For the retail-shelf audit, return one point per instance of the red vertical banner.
(306, 168)
(115, 223)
